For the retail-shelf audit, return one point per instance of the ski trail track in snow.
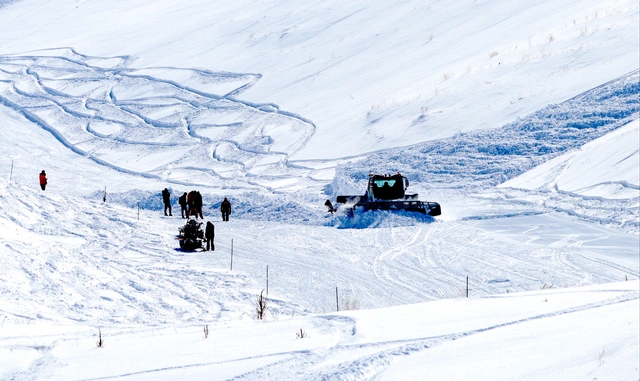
(111, 113)
(397, 265)
(353, 355)
(187, 126)
(353, 358)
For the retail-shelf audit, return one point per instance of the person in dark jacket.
(191, 204)
(182, 200)
(190, 199)
(209, 234)
(198, 204)
(225, 209)
(43, 180)
(166, 198)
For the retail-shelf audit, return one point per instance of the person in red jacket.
(43, 180)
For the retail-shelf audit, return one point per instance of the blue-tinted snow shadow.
(486, 158)
(197, 251)
(378, 219)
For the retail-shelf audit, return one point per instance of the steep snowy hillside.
(606, 167)
(387, 74)
(519, 118)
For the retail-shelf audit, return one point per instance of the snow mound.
(606, 167)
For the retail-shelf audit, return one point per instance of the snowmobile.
(387, 192)
(191, 235)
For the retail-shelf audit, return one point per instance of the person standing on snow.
(166, 197)
(198, 204)
(191, 204)
(43, 180)
(225, 209)
(209, 234)
(182, 200)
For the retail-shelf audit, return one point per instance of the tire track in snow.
(380, 355)
(404, 278)
(89, 91)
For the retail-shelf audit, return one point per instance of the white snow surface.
(386, 74)
(520, 118)
(606, 167)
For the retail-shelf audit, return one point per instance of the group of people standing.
(191, 205)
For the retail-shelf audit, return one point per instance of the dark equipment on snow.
(387, 192)
(191, 236)
(329, 206)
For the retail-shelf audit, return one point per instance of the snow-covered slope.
(606, 167)
(519, 118)
(534, 336)
(387, 74)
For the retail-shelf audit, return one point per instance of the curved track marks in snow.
(162, 122)
(382, 267)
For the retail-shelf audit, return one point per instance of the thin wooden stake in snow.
(11, 173)
(100, 342)
(337, 307)
(267, 279)
(104, 196)
(138, 211)
(467, 286)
